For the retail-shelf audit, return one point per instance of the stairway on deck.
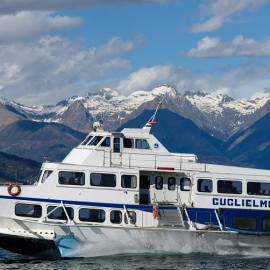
(170, 217)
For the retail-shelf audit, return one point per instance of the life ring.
(154, 212)
(7, 183)
(14, 193)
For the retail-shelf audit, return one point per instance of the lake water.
(221, 259)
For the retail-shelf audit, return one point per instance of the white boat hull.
(89, 241)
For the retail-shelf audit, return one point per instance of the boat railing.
(148, 160)
(200, 157)
(182, 209)
(43, 219)
(129, 220)
(214, 217)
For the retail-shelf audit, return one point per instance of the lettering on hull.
(255, 203)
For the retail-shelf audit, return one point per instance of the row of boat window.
(130, 181)
(249, 223)
(85, 214)
(127, 142)
(97, 179)
(223, 186)
(228, 186)
(116, 216)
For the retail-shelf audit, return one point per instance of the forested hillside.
(15, 169)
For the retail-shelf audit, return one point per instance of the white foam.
(186, 244)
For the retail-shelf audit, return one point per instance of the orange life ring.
(7, 183)
(14, 193)
(154, 212)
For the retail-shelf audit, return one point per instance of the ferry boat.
(125, 188)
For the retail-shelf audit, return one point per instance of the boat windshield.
(87, 140)
(95, 140)
(45, 176)
(40, 172)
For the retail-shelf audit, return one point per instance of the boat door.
(158, 194)
(116, 154)
(170, 189)
(184, 191)
(164, 188)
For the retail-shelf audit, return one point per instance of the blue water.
(244, 259)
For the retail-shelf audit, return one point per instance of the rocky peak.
(196, 93)
(164, 89)
(225, 98)
(3, 100)
(106, 93)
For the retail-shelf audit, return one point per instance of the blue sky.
(53, 49)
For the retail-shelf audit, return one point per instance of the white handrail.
(61, 205)
(69, 220)
(220, 225)
(128, 218)
(190, 223)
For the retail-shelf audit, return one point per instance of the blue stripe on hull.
(95, 204)
(207, 215)
(198, 215)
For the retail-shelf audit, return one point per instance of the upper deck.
(137, 148)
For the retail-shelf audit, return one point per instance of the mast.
(149, 124)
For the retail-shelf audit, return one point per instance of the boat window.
(144, 182)
(128, 143)
(185, 184)
(103, 179)
(132, 217)
(59, 213)
(40, 172)
(231, 187)
(45, 176)
(106, 142)
(71, 178)
(205, 185)
(28, 210)
(128, 181)
(87, 140)
(159, 182)
(116, 145)
(142, 144)
(116, 217)
(95, 140)
(266, 224)
(258, 188)
(92, 215)
(244, 223)
(171, 183)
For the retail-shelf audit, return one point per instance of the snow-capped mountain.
(207, 103)
(220, 116)
(79, 112)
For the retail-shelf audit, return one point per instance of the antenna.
(148, 125)
(159, 104)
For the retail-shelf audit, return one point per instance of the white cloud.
(222, 90)
(238, 83)
(213, 47)
(116, 46)
(221, 11)
(228, 7)
(212, 24)
(260, 95)
(26, 25)
(12, 6)
(52, 68)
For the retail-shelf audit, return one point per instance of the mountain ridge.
(220, 116)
